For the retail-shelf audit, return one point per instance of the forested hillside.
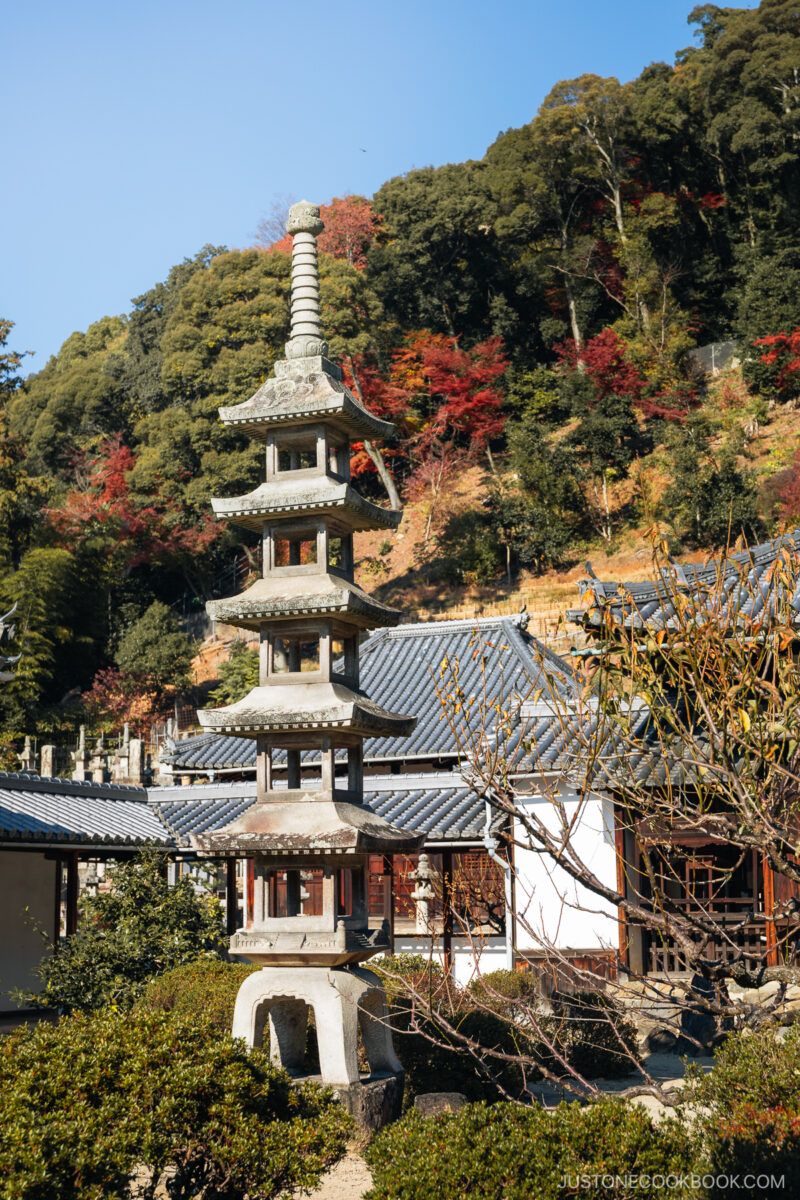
(531, 315)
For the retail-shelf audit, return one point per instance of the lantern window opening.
(294, 655)
(338, 459)
(340, 553)
(291, 451)
(297, 551)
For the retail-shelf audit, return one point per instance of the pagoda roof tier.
(318, 496)
(288, 596)
(294, 707)
(320, 825)
(304, 390)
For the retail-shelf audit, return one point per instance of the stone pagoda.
(309, 832)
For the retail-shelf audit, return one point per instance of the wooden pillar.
(250, 889)
(447, 913)
(231, 897)
(59, 879)
(388, 883)
(72, 892)
(769, 907)
(512, 898)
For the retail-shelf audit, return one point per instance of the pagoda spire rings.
(306, 339)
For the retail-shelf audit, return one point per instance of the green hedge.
(399, 970)
(507, 1152)
(87, 1102)
(495, 987)
(206, 988)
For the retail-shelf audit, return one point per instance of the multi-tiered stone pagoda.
(310, 833)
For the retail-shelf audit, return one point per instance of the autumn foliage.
(782, 353)
(136, 529)
(606, 361)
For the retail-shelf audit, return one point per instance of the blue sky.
(137, 133)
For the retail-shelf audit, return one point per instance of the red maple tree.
(605, 361)
(136, 529)
(784, 355)
(451, 392)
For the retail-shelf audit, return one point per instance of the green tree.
(436, 261)
(74, 399)
(541, 178)
(769, 305)
(237, 675)
(602, 390)
(45, 590)
(744, 78)
(156, 652)
(141, 928)
(547, 476)
(138, 367)
(712, 499)
(22, 498)
(10, 362)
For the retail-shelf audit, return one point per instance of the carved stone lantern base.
(277, 1000)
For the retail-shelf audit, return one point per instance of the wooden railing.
(736, 935)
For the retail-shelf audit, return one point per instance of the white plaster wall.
(27, 882)
(468, 959)
(550, 907)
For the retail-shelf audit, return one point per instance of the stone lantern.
(309, 833)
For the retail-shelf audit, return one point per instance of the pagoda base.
(278, 999)
(374, 1101)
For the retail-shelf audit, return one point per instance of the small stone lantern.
(309, 833)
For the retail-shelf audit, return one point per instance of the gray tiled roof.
(739, 588)
(440, 805)
(81, 814)
(200, 808)
(400, 670)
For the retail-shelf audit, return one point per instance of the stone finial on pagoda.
(306, 339)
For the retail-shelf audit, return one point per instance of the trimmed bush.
(749, 1108)
(591, 1032)
(397, 970)
(507, 1152)
(95, 1099)
(139, 929)
(446, 1065)
(510, 985)
(206, 988)
(750, 1068)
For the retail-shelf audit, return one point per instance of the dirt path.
(348, 1180)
